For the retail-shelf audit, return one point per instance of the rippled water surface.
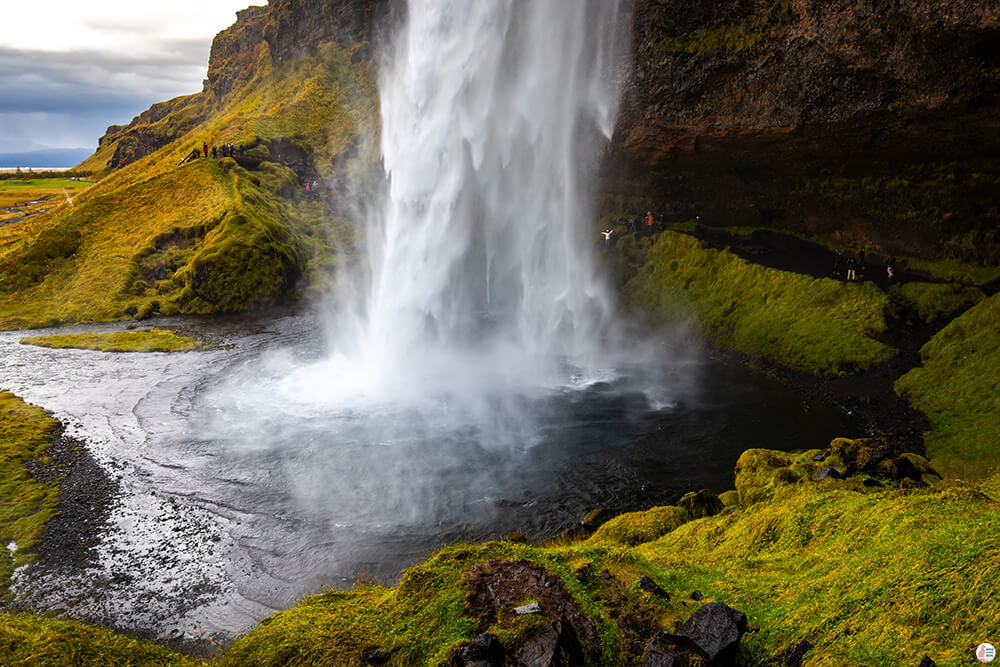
(243, 489)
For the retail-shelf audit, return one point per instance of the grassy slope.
(898, 570)
(25, 504)
(46, 642)
(815, 326)
(151, 340)
(205, 236)
(958, 388)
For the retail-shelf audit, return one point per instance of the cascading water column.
(493, 112)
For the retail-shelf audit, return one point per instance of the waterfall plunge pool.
(235, 501)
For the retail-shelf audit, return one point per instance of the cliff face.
(865, 122)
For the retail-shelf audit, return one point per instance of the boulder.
(827, 473)
(667, 650)
(555, 646)
(927, 662)
(700, 504)
(697, 596)
(484, 651)
(717, 628)
(651, 587)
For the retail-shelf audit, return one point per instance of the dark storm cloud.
(40, 81)
(70, 98)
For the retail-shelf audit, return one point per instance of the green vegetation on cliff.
(150, 340)
(958, 388)
(815, 326)
(156, 237)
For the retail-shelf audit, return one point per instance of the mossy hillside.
(205, 237)
(918, 302)
(150, 340)
(34, 641)
(25, 503)
(868, 578)
(958, 388)
(810, 325)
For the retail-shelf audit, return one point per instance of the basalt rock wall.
(870, 122)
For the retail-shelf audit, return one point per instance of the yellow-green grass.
(868, 578)
(149, 340)
(206, 237)
(25, 503)
(34, 641)
(812, 325)
(422, 621)
(958, 388)
(48, 184)
(931, 302)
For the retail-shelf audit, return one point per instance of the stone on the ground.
(531, 608)
(651, 587)
(697, 596)
(927, 662)
(717, 628)
(667, 650)
(824, 473)
(700, 504)
(555, 646)
(484, 651)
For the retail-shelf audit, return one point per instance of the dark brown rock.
(717, 629)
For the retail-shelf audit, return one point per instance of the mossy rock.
(863, 454)
(244, 264)
(730, 498)
(596, 518)
(755, 471)
(700, 504)
(639, 527)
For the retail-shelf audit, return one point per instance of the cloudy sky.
(68, 69)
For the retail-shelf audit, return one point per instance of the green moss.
(637, 527)
(958, 388)
(815, 326)
(150, 340)
(930, 302)
(868, 578)
(48, 642)
(25, 503)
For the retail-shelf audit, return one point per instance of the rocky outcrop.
(864, 122)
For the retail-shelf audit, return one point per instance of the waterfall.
(481, 262)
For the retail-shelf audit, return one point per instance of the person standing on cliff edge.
(649, 222)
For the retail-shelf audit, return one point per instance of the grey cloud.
(92, 89)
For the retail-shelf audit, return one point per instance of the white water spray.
(481, 268)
